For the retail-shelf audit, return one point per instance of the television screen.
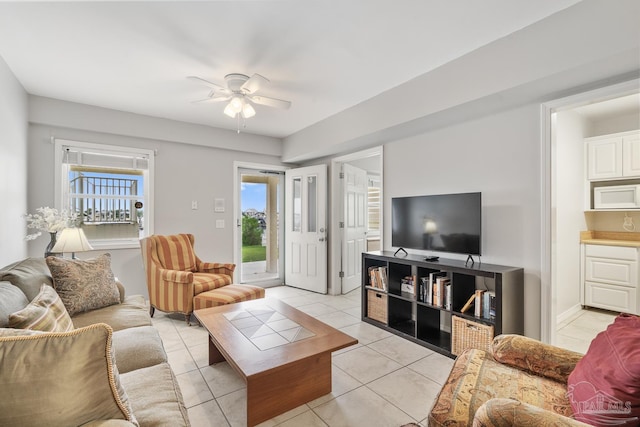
(444, 223)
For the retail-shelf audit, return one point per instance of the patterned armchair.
(519, 382)
(175, 274)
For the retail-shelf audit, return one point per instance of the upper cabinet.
(613, 156)
(631, 155)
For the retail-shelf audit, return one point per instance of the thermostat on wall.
(218, 205)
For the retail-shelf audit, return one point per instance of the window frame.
(61, 184)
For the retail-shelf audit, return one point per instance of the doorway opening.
(259, 237)
(565, 124)
(356, 215)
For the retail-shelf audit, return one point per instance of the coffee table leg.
(214, 354)
(286, 387)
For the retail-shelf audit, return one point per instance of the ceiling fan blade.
(270, 102)
(254, 83)
(214, 86)
(213, 99)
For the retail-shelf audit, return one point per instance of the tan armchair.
(175, 274)
(520, 381)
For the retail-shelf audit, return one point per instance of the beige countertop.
(610, 238)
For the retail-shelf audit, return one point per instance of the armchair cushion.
(605, 386)
(203, 282)
(45, 313)
(84, 285)
(534, 356)
(176, 252)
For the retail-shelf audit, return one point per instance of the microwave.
(617, 197)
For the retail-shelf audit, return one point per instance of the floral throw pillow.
(84, 285)
(45, 313)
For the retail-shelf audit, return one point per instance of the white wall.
(13, 167)
(497, 155)
(568, 204)
(183, 172)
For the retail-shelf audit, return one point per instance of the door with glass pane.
(306, 229)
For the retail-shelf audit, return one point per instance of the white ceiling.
(324, 56)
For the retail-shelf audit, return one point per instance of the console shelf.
(406, 315)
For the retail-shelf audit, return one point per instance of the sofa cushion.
(28, 274)
(137, 348)
(155, 396)
(476, 377)
(12, 332)
(176, 252)
(45, 313)
(84, 285)
(12, 299)
(604, 388)
(76, 369)
(129, 314)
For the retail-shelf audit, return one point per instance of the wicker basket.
(468, 334)
(377, 306)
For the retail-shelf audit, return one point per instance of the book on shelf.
(489, 305)
(434, 292)
(378, 277)
(447, 295)
(469, 302)
(407, 285)
(384, 281)
(478, 303)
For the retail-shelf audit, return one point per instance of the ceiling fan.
(241, 93)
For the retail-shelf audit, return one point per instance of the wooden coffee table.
(283, 355)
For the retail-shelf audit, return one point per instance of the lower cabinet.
(395, 298)
(610, 278)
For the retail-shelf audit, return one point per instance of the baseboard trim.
(568, 315)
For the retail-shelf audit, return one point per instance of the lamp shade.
(72, 240)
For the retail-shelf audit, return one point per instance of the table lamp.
(72, 240)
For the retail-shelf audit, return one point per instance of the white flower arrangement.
(49, 220)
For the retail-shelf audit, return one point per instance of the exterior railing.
(104, 200)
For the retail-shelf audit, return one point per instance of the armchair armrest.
(216, 268)
(176, 276)
(535, 357)
(120, 290)
(499, 412)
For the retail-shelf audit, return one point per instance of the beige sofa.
(94, 375)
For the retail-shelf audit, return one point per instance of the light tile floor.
(577, 333)
(384, 380)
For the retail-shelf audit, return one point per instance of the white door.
(306, 228)
(354, 225)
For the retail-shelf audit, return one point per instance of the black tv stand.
(400, 249)
(410, 316)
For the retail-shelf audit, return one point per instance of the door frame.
(237, 240)
(336, 208)
(548, 314)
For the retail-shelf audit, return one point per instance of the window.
(373, 206)
(109, 187)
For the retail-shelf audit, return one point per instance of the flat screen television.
(444, 223)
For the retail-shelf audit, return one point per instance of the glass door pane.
(260, 194)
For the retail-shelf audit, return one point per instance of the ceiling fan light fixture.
(248, 111)
(229, 111)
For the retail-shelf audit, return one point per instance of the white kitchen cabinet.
(613, 156)
(610, 277)
(631, 155)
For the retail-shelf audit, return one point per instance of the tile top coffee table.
(283, 355)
